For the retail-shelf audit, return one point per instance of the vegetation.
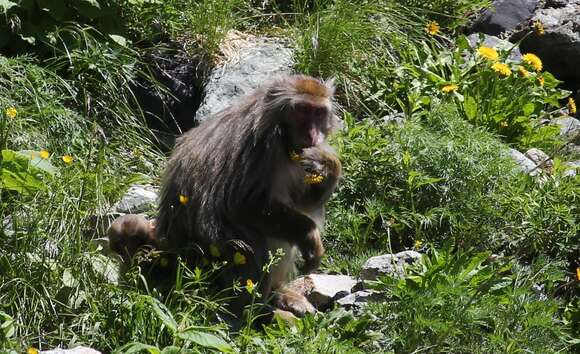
(428, 120)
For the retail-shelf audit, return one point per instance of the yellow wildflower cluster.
(313, 178)
(449, 88)
(539, 28)
(571, 105)
(11, 112)
(418, 244)
(533, 61)
(503, 124)
(183, 199)
(432, 28)
(523, 72)
(488, 53)
(502, 69)
(295, 156)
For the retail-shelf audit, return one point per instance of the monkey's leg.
(289, 300)
(282, 222)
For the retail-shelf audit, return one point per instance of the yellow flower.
(418, 243)
(11, 112)
(533, 61)
(44, 154)
(578, 274)
(313, 179)
(501, 69)
(250, 285)
(503, 124)
(163, 262)
(571, 106)
(488, 53)
(31, 350)
(67, 159)
(523, 72)
(294, 156)
(541, 80)
(432, 28)
(239, 258)
(449, 88)
(539, 28)
(183, 199)
(214, 251)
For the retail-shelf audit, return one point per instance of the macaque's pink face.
(309, 124)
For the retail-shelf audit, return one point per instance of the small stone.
(138, 199)
(569, 126)
(540, 158)
(359, 299)
(572, 168)
(523, 162)
(392, 265)
(321, 289)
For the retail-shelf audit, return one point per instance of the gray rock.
(495, 42)
(359, 299)
(559, 47)
(76, 350)
(568, 126)
(540, 158)
(394, 118)
(138, 199)
(392, 265)
(256, 60)
(322, 289)
(523, 162)
(572, 168)
(504, 15)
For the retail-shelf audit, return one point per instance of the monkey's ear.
(330, 83)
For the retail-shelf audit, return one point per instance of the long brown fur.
(240, 189)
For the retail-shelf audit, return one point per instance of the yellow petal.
(67, 159)
(44, 154)
(183, 199)
(250, 285)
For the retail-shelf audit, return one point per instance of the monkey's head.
(307, 110)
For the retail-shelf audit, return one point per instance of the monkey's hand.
(323, 169)
(312, 251)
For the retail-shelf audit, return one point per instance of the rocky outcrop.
(504, 15)
(393, 265)
(248, 62)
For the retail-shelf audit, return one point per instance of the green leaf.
(206, 340)
(120, 40)
(470, 106)
(162, 312)
(38, 162)
(529, 108)
(136, 347)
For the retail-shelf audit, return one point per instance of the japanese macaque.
(130, 233)
(253, 179)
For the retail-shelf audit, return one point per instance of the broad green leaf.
(38, 162)
(529, 108)
(470, 106)
(162, 312)
(136, 347)
(206, 340)
(120, 40)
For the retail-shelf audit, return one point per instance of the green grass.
(440, 178)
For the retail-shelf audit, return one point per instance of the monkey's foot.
(291, 301)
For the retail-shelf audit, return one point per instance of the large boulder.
(504, 15)
(559, 46)
(322, 289)
(249, 62)
(138, 199)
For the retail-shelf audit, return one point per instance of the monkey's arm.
(280, 221)
(319, 162)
